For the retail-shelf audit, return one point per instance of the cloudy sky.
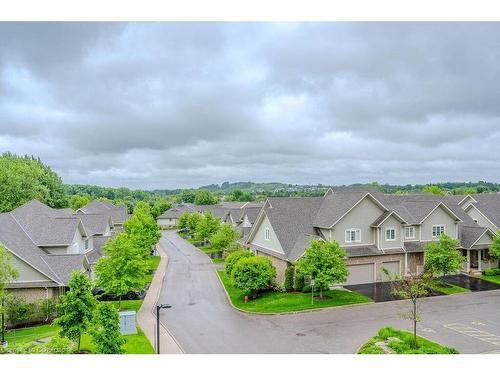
(165, 105)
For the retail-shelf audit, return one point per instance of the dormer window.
(353, 235)
(390, 234)
(437, 230)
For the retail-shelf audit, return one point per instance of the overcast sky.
(166, 105)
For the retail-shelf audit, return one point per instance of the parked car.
(131, 295)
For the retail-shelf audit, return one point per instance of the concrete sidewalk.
(146, 316)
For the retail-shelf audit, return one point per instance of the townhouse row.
(376, 230)
(47, 245)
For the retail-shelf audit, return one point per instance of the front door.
(473, 259)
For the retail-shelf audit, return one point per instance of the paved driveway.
(202, 321)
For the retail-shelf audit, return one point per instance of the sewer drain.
(300, 334)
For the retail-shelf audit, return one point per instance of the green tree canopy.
(143, 230)
(160, 205)
(204, 197)
(122, 268)
(495, 246)
(105, 330)
(233, 258)
(442, 257)
(238, 195)
(76, 308)
(23, 178)
(187, 196)
(225, 236)
(206, 226)
(324, 262)
(434, 189)
(252, 274)
(78, 201)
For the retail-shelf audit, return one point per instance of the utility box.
(128, 325)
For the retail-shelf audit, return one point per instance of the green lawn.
(277, 302)
(218, 260)
(134, 344)
(25, 335)
(493, 279)
(405, 345)
(127, 305)
(448, 288)
(153, 262)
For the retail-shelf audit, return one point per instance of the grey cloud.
(157, 105)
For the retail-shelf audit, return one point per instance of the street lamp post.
(158, 308)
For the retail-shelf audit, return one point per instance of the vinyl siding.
(360, 217)
(259, 238)
(438, 217)
(391, 222)
(474, 213)
(26, 272)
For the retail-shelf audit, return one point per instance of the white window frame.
(412, 237)
(86, 243)
(387, 231)
(267, 234)
(435, 231)
(349, 239)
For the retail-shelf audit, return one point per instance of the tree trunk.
(415, 324)
(119, 302)
(320, 292)
(79, 339)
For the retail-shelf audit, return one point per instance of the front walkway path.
(146, 316)
(202, 320)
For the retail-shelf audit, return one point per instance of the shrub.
(299, 282)
(492, 272)
(20, 313)
(233, 258)
(253, 274)
(289, 276)
(57, 345)
(307, 288)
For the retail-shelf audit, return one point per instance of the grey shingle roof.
(489, 205)
(334, 206)
(119, 214)
(360, 251)
(44, 225)
(291, 218)
(97, 252)
(252, 213)
(64, 265)
(414, 246)
(94, 223)
(469, 234)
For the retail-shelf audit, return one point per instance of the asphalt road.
(202, 321)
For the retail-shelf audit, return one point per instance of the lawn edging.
(228, 297)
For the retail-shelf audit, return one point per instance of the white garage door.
(393, 268)
(361, 274)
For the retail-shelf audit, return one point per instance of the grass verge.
(492, 279)
(278, 302)
(404, 344)
(448, 288)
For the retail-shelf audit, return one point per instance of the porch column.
(406, 264)
(467, 267)
(479, 253)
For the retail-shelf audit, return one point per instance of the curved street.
(202, 320)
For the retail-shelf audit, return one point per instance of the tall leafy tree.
(187, 196)
(23, 178)
(78, 201)
(122, 268)
(7, 274)
(225, 236)
(76, 308)
(206, 226)
(143, 230)
(204, 197)
(324, 262)
(434, 189)
(442, 257)
(238, 195)
(105, 330)
(160, 205)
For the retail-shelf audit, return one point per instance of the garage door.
(361, 274)
(393, 268)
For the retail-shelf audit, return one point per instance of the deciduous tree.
(76, 308)
(204, 197)
(7, 274)
(105, 331)
(253, 274)
(225, 236)
(122, 268)
(324, 262)
(142, 229)
(206, 226)
(442, 257)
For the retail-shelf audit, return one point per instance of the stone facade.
(279, 264)
(35, 294)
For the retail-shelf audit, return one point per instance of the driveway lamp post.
(158, 307)
(312, 291)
